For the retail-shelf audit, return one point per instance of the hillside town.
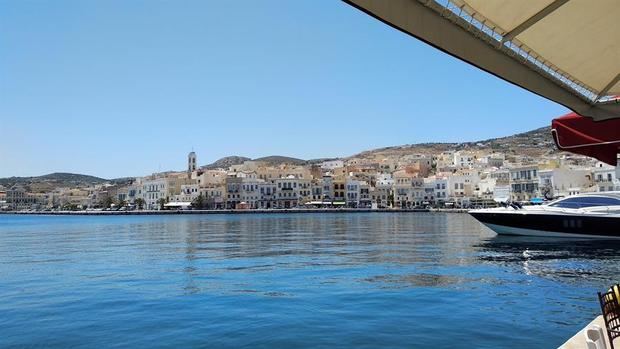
(450, 179)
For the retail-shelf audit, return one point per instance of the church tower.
(191, 163)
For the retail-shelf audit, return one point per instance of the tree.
(107, 202)
(199, 202)
(139, 202)
(122, 203)
(547, 192)
(161, 203)
(69, 207)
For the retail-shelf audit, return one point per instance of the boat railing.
(590, 209)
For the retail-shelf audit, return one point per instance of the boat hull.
(549, 224)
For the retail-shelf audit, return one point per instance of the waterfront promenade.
(230, 211)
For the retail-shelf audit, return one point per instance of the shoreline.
(229, 211)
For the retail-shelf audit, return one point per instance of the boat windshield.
(586, 201)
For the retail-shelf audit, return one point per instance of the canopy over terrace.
(565, 50)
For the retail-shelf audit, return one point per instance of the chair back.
(611, 313)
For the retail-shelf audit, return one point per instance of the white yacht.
(582, 215)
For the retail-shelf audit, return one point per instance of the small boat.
(582, 215)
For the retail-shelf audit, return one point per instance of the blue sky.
(125, 88)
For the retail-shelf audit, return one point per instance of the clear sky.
(126, 87)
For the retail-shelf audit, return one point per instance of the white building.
(462, 159)
(287, 190)
(560, 182)
(352, 194)
(524, 183)
(268, 193)
(440, 188)
(250, 192)
(189, 192)
(158, 187)
(606, 177)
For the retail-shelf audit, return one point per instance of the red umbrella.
(581, 135)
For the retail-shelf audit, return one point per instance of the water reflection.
(565, 260)
(294, 280)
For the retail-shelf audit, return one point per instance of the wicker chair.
(611, 313)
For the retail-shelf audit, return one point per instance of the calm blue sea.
(359, 280)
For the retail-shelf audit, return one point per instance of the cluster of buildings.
(448, 179)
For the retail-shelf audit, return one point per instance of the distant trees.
(199, 202)
(390, 200)
(107, 202)
(161, 202)
(139, 202)
(70, 207)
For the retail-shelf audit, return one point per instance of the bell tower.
(191, 164)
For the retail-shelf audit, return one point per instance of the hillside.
(272, 160)
(53, 180)
(227, 161)
(277, 159)
(532, 143)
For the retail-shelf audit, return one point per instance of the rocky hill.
(533, 143)
(227, 161)
(272, 160)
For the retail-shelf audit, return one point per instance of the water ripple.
(295, 280)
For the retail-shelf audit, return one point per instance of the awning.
(566, 51)
(600, 140)
(536, 201)
(178, 204)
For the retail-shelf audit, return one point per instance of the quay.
(229, 211)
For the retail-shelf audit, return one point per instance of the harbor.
(352, 174)
(304, 280)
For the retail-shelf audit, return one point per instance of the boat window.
(586, 201)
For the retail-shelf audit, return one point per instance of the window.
(586, 201)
